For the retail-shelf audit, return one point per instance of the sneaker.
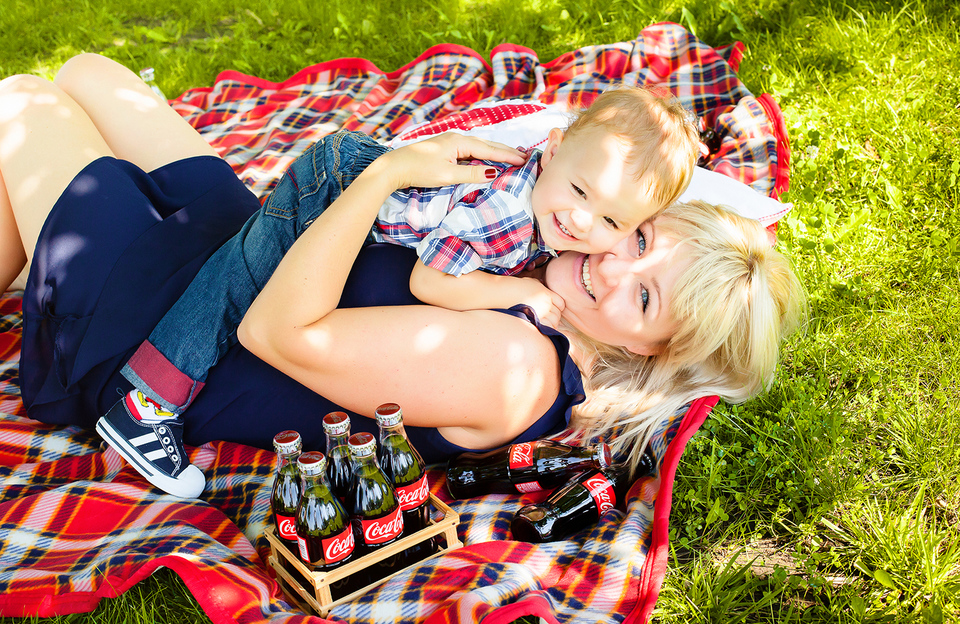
(151, 440)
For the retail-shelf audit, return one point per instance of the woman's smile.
(585, 277)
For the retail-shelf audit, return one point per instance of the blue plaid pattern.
(464, 227)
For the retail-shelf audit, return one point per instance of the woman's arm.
(480, 376)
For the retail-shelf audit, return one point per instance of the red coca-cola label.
(382, 529)
(338, 547)
(521, 455)
(530, 486)
(602, 492)
(413, 495)
(286, 527)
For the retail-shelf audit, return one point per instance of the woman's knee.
(21, 82)
(20, 92)
(136, 123)
(83, 67)
(88, 72)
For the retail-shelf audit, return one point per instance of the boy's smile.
(586, 198)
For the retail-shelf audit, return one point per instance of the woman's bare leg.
(136, 123)
(13, 259)
(46, 139)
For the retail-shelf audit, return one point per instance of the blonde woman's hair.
(734, 304)
(662, 141)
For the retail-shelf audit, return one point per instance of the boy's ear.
(554, 139)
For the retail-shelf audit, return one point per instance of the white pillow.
(522, 123)
(721, 190)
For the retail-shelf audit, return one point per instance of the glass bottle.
(578, 504)
(147, 75)
(404, 468)
(336, 426)
(285, 495)
(374, 509)
(324, 534)
(522, 467)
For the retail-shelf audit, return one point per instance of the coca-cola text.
(521, 456)
(385, 529)
(287, 527)
(338, 547)
(602, 492)
(413, 495)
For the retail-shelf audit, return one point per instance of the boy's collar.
(535, 153)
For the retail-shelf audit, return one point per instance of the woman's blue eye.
(641, 247)
(644, 297)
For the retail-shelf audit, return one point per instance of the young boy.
(626, 157)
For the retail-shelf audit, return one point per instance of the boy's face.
(586, 199)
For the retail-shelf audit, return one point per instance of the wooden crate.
(311, 590)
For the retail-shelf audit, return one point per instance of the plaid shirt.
(464, 227)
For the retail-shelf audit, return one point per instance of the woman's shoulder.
(521, 372)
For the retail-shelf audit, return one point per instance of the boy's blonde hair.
(662, 141)
(734, 305)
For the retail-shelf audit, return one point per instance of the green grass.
(157, 599)
(834, 497)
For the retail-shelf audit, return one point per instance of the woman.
(654, 323)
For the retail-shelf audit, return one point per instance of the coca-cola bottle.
(286, 487)
(375, 510)
(324, 534)
(523, 467)
(578, 504)
(339, 468)
(404, 468)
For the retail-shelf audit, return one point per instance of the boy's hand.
(547, 304)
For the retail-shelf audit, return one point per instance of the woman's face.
(623, 297)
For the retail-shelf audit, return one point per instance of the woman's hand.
(436, 161)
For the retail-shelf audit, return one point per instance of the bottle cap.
(312, 463)
(336, 423)
(287, 442)
(602, 453)
(389, 414)
(362, 444)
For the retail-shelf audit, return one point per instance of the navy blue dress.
(115, 253)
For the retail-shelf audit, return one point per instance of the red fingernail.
(490, 173)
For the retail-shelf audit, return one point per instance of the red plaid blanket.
(77, 525)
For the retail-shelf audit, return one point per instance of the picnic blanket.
(77, 525)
